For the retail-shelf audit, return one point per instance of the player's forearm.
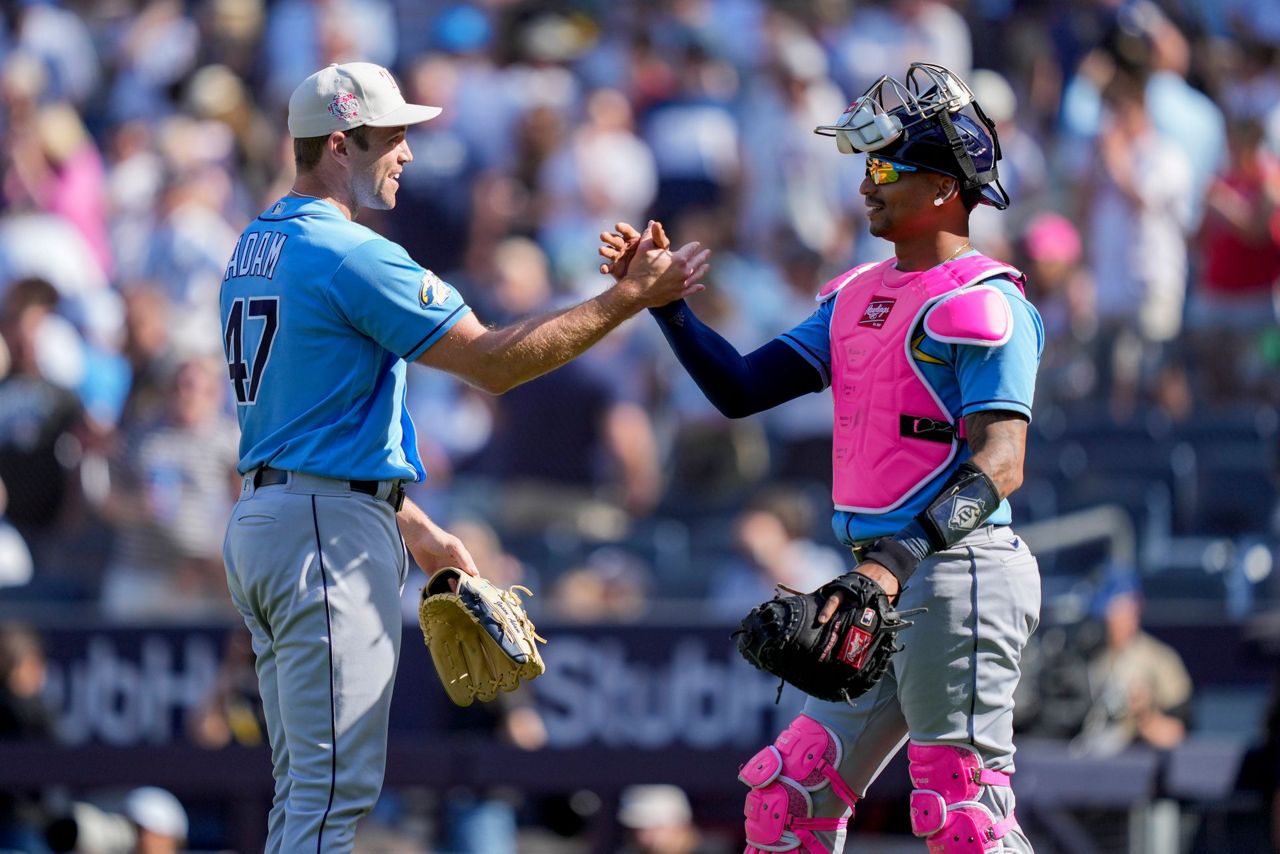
(998, 440)
(529, 348)
(413, 522)
(736, 385)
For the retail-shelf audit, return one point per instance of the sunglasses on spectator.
(886, 171)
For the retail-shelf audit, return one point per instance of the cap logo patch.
(434, 291)
(345, 107)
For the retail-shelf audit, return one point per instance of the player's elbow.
(734, 409)
(494, 383)
(1010, 480)
(732, 403)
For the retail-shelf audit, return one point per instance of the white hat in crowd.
(341, 97)
(156, 810)
(654, 805)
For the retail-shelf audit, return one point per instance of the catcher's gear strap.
(779, 807)
(809, 753)
(966, 500)
(945, 807)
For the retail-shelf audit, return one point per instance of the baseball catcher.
(480, 637)
(838, 660)
(930, 357)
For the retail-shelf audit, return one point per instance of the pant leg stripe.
(333, 712)
(973, 655)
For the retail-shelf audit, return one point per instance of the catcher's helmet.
(925, 123)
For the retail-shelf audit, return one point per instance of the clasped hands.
(646, 262)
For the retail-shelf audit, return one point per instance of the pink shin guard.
(779, 808)
(945, 810)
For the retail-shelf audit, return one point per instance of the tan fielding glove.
(480, 637)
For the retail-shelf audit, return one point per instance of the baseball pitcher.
(320, 316)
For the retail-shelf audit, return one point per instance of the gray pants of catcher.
(317, 570)
(953, 683)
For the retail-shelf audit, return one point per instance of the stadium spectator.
(1137, 201)
(772, 536)
(1140, 690)
(16, 566)
(659, 820)
(231, 713)
(570, 449)
(447, 162)
(1239, 270)
(55, 168)
(1050, 252)
(171, 478)
(609, 585)
(24, 716)
(42, 425)
(158, 819)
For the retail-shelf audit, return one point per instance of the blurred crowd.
(1141, 146)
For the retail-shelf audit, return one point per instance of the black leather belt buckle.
(267, 476)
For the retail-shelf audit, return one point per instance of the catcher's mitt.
(839, 660)
(480, 638)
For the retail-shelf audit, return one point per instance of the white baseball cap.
(345, 96)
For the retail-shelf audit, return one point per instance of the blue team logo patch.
(434, 291)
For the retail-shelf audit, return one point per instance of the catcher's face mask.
(931, 122)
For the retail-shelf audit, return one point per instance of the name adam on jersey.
(256, 254)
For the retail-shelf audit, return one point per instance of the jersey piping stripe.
(973, 655)
(427, 337)
(814, 357)
(333, 712)
(995, 400)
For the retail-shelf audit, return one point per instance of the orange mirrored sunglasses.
(886, 171)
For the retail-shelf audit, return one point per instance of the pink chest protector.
(892, 432)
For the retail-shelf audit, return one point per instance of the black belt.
(267, 476)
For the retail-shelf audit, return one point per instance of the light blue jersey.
(967, 378)
(319, 316)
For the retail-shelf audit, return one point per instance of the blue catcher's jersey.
(319, 316)
(967, 378)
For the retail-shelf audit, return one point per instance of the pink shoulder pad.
(977, 315)
(833, 287)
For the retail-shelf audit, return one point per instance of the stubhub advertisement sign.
(635, 686)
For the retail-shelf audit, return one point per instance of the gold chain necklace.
(963, 248)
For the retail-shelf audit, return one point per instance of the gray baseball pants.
(317, 571)
(953, 683)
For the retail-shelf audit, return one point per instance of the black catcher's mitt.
(839, 660)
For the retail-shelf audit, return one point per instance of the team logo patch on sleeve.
(434, 291)
(877, 312)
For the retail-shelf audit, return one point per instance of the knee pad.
(779, 808)
(945, 807)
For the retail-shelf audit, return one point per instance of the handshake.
(644, 262)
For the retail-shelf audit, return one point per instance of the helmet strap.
(972, 177)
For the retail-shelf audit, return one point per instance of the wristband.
(966, 500)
